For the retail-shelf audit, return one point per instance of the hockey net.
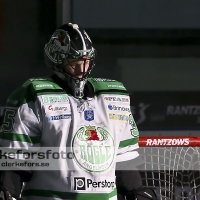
(171, 166)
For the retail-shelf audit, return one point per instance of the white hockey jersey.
(100, 132)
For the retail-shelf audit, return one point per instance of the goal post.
(171, 166)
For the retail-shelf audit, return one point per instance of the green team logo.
(93, 148)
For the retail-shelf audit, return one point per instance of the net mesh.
(172, 171)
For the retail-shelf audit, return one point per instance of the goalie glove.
(5, 195)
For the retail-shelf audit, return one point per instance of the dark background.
(153, 47)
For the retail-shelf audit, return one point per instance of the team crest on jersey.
(89, 115)
(93, 148)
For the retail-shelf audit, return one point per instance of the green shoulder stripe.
(107, 86)
(31, 89)
(44, 84)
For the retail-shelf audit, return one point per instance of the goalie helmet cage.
(171, 166)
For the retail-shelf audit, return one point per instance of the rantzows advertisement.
(166, 110)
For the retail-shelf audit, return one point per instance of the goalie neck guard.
(70, 42)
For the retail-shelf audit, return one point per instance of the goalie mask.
(70, 44)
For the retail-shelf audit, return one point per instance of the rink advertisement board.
(166, 110)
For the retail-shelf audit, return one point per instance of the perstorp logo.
(80, 183)
(167, 142)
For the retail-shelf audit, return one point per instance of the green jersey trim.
(20, 138)
(107, 86)
(41, 86)
(45, 92)
(69, 195)
(128, 142)
(31, 89)
(111, 92)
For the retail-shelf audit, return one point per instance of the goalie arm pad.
(129, 182)
(127, 175)
(131, 179)
(11, 182)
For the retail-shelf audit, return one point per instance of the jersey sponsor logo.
(118, 108)
(103, 80)
(119, 117)
(115, 86)
(117, 99)
(89, 115)
(81, 183)
(168, 142)
(55, 99)
(58, 117)
(57, 108)
(134, 130)
(44, 86)
(93, 147)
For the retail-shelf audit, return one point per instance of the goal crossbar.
(169, 141)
